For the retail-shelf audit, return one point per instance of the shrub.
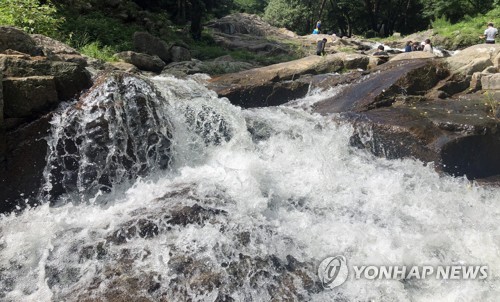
(31, 16)
(97, 51)
(101, 28)
(287, 13)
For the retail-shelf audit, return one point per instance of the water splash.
(257, 200)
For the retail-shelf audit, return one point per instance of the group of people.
(489, 35)
(415, 46)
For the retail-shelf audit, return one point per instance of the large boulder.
(180, 54)
(142, 61)
(57, 51)
(250, 32)
(21, 175)
(473, 59)
(412, 77)
(34, 85)
(265, 86)
(2, 126)
(413, 55)
(18, 40)
(459, 136)
(490, 81)
(28, 96)
(70, 78)
(146, 43)
(354, 61)
(118, 131)
(242, 23)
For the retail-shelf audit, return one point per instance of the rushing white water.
(283, 179)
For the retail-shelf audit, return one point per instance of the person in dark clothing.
(320, 50)
(416, 46)
(380, 51)
(408, 47)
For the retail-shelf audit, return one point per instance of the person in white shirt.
(428, 46)
(490, 34)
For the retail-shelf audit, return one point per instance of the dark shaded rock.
(261, 86)
(380, 89)
(57, 51)
(143, 228)
(21, 175)
(327, 81)
(269, 94)
(142, 61)
(29, 96)
(70, 78)
(128, 136)
(454, 84)
(179, 54)
(2, 123)
(146, 43)
(192, 215)
(460, 136)
(18, 40)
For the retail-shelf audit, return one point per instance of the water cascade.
(165, 192)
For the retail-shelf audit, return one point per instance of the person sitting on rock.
(428, 46)
(490, 34)
(415, 46)
(316, 31)
(380, 51)
(408, 47)
(320, 50)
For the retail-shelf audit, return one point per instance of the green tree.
(455, 10)
(30, 15)
(292, 14)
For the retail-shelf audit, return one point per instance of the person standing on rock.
(320, 50)
(428, 46)
(489, 34)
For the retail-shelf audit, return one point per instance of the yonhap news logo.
(333, 272)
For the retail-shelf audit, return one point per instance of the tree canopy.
(344, 17)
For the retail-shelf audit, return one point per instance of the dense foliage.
(370, 17)
(102, 27)
(30, 15)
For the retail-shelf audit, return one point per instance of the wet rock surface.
(274, 85)
(395, 116)
(127, 137)
(21, 174)
(38, 73)
(221, 272)
(383, 84)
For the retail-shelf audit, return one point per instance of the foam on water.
(288, 177)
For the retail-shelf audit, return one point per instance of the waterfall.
(166, 192)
